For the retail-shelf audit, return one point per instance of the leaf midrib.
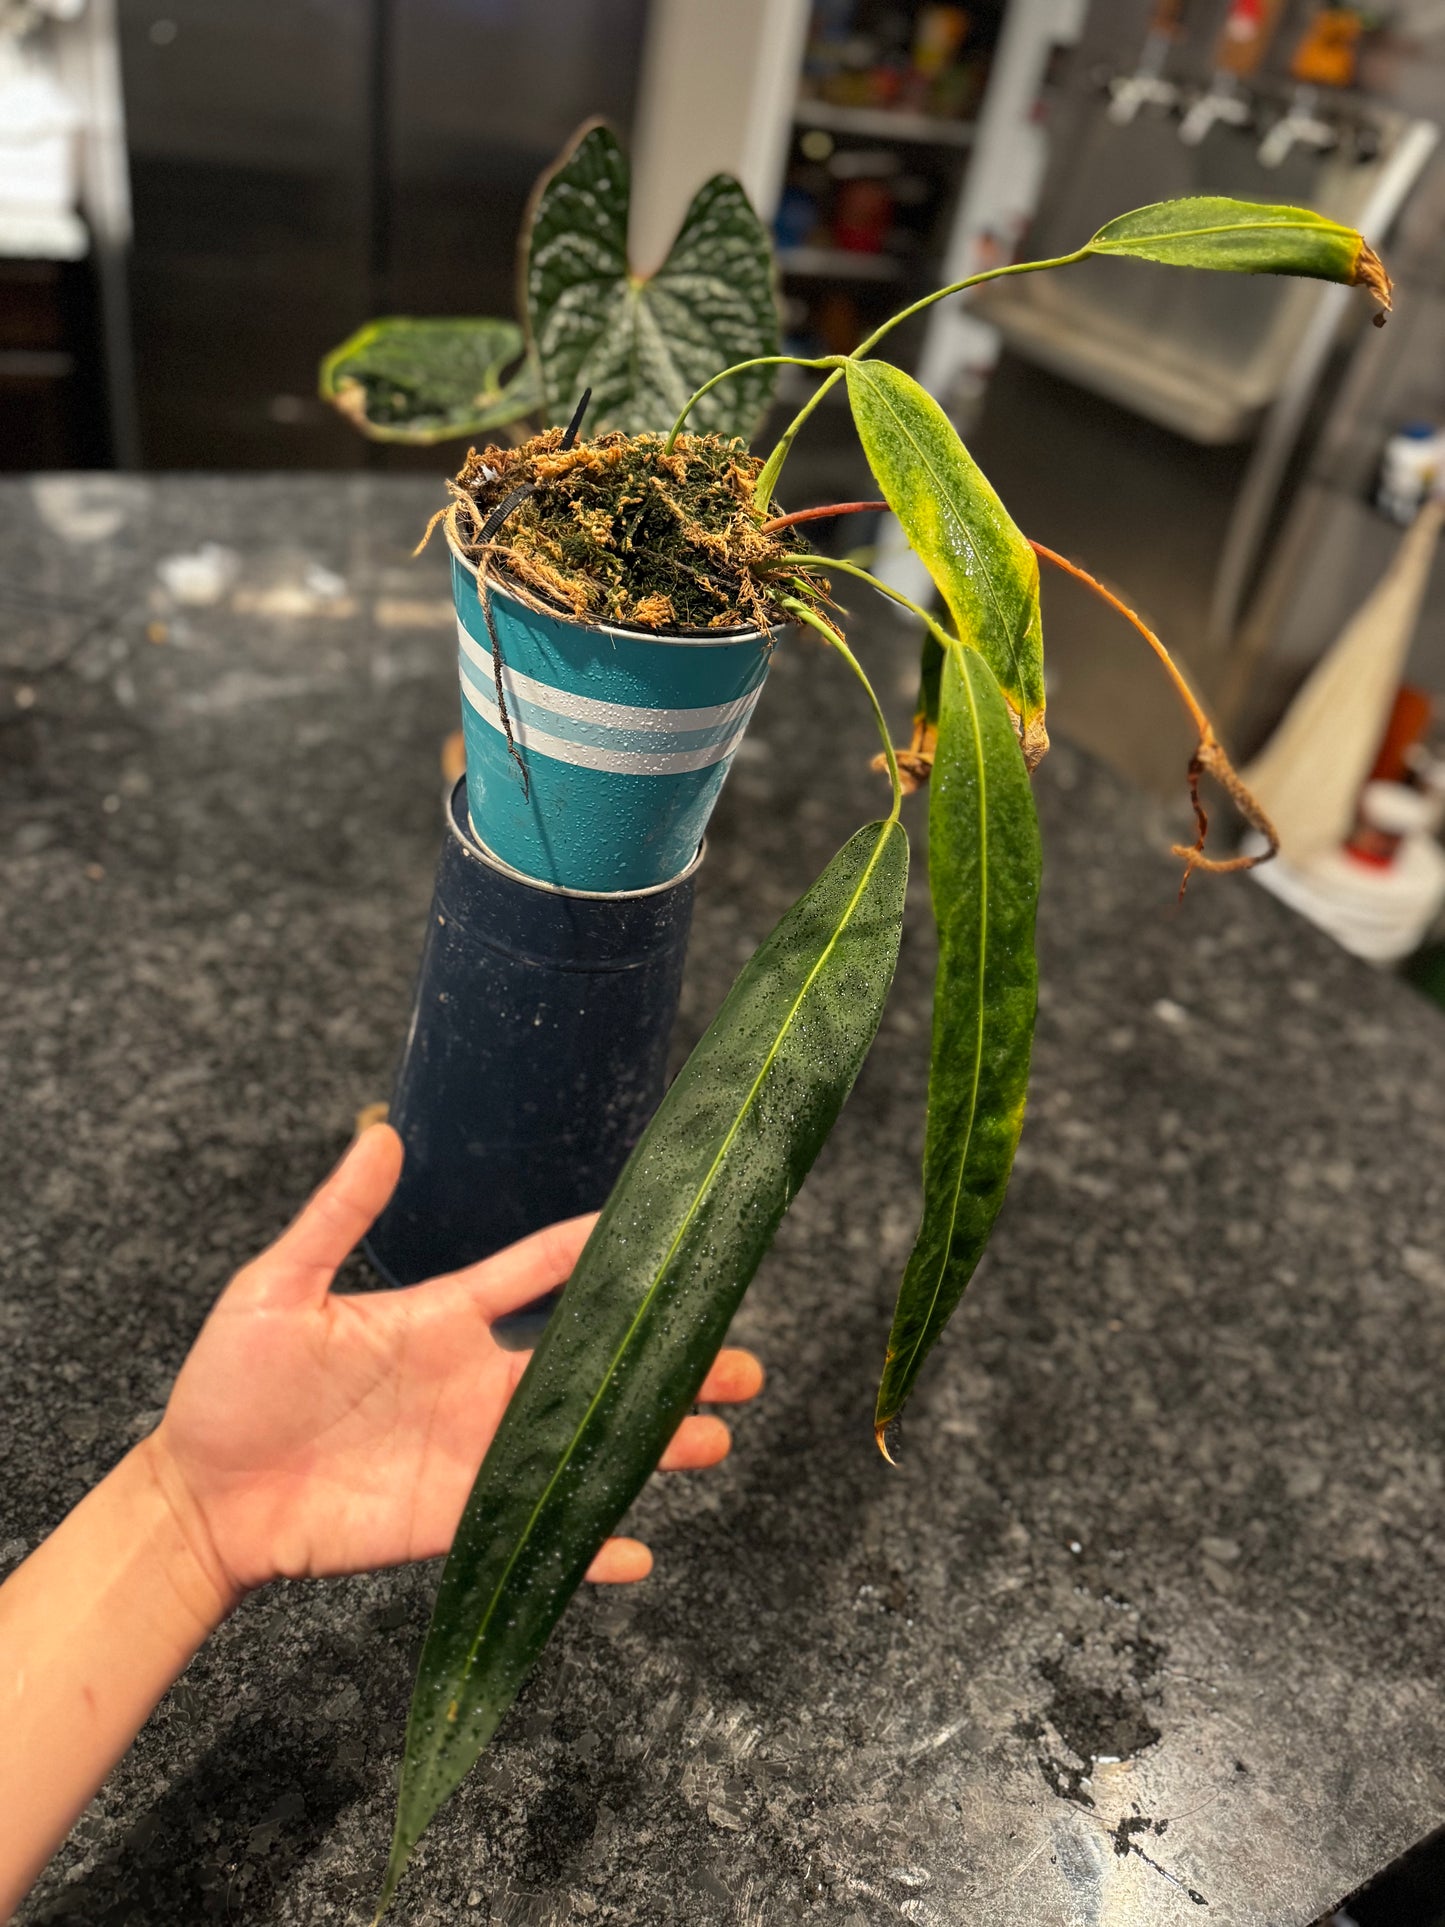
(1096, 246)
(692, 1211)
(967, 682)
(940, 484)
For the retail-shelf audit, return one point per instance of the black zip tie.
(576, 422)
(488, 529)
(484, 597)
(503, 509)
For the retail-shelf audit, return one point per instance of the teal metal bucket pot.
(627, 738)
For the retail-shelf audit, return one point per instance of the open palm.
(312, 1433)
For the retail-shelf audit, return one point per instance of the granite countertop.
(1148, 1623)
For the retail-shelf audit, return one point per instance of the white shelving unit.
(839, 264)
(883, 124)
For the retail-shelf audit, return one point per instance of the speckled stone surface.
(1149, 1625)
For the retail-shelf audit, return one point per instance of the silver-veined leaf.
(402, 379)
(643, 344)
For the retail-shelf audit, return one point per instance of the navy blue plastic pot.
(536, 1055)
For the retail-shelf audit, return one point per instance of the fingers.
(736, 1376)
(300, 1265)
(524, 1271)
(699, 1442)
(696, 1444)
(620, 1562)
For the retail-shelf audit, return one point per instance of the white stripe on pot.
(620, 762)
(590, 709)
(653, 742)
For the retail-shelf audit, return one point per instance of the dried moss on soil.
(619, 532)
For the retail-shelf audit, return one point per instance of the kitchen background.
(197, 199)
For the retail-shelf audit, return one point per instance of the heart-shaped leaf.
(644, 344)
(649, 1303)
(421, 381)
(983, 871)
(1245, 237)
(980, 564)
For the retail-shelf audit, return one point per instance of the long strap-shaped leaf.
(650, 1302)
(984, 864)
(1245, 237)
(960, 530)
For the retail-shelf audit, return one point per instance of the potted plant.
(701, 1195)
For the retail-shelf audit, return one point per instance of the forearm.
(94, 1626)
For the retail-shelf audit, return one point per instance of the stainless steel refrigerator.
(299, 165)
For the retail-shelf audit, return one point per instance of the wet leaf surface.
(650, 1303)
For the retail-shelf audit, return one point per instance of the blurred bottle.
(934, 76)
(1329, 52)
(797, 218)
(1409, 467)
(1405, 735)
(1245, 38)
(1239, 53)
(862, 216)
(940, 32)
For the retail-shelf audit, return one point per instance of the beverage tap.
(1243, 42)
(1147, 85)
(1300, 127)
(1325, 58)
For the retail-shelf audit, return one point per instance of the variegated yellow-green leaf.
(643, 344)
(422, 381)
(983, 867)
(1245, 237)
(649, 1303)
(980, 564)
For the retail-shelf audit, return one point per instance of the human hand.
(311, 1433)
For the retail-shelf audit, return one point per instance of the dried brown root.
(1208, 759)
(1211, 759)
(915, 764)
(617, 530)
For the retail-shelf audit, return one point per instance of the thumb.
(302, 1263)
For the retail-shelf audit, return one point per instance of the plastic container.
(37, 135)
(627, 737)
(536, 1055)
(1409, 468)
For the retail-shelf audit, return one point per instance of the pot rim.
(683, 638)
(471, 841)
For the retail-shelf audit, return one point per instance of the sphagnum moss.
(619, 531)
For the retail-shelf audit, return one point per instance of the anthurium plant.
(696, 1206)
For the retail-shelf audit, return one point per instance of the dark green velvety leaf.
(643, 345)
(406, 380)
(1245, 237)
(983, 864)
(980, 564)
(650, 1302)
